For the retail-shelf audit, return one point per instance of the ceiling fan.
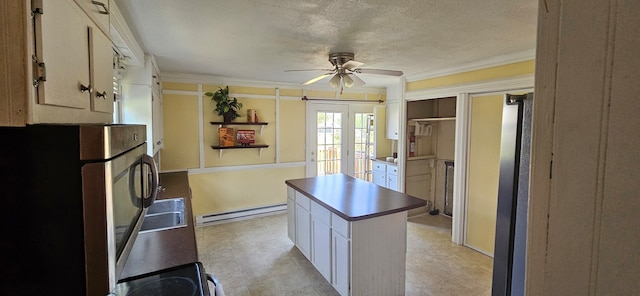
(344, 69)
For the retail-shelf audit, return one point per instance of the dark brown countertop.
(354, 199)
(158, 250)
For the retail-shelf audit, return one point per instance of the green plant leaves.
(224, 104)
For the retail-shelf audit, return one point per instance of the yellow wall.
(242, 189)
(383, 145)
(291, 148)
(181, 144)
(484, 169)
(504, 71)
(241, 178)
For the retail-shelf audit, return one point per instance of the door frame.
(463, 95)
(351, 109)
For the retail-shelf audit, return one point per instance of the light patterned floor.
(255, 257)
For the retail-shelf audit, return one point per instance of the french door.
(341, 139)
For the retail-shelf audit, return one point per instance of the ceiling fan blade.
(379, 71)
(356, 80)
(297, 70)
(352, 65)
(317, 78)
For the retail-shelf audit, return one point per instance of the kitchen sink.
(166, 206)
(163, 215)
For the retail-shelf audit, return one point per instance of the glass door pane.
(329, 144)
(364, 143)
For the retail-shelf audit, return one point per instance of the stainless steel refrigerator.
(513, 195)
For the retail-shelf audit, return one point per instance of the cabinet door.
(393, 120)
(380, 178)
(341, 261)
(392, 177)
(379, 174)
(392, 182)
(321, 248)
(156, 115)
(64, 49)
(98, 11)
(303, 231)
(291, 220)
(101, 71)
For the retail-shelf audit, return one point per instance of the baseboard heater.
(240, 215)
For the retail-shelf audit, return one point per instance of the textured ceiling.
(259, 39)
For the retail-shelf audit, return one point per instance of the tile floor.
(255, 257)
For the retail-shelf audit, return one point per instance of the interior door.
(327, 153)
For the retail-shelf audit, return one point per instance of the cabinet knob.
(102, 95)
(84, 88)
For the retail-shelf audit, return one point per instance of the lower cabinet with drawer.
(385, 175)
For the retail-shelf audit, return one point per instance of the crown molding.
(212, 79)
(482, 64)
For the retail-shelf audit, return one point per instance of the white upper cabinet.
(58, 65)
(63, 55)
(142, 101)
(393, 112)
(101, 72)
(74, 59)
(99, 12)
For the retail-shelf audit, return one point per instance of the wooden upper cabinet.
(63, 55)
(101, 72)
(58, 64)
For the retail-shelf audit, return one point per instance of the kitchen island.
(354, 232)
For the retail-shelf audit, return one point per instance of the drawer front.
(392, 170)
(303, 201)
(321, 213)
(340, 225)
(378, 166)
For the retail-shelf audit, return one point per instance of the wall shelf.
(431, 119)
(222, 148)
(421, 157)
(221, 124)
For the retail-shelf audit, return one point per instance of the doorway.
(341, 139)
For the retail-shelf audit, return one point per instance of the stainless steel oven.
(119, 182)
(76, 197)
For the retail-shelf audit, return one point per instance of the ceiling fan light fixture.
(348, 82)
(335, 81)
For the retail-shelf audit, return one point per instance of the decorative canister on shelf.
(251, 115)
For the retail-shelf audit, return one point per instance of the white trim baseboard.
(218, 218)
(246, 167)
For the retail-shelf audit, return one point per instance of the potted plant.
(226, 107)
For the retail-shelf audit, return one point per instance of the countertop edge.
(353, 218)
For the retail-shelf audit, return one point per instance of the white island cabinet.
(353, 232)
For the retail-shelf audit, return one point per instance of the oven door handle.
(153, 192)
(218, 291)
